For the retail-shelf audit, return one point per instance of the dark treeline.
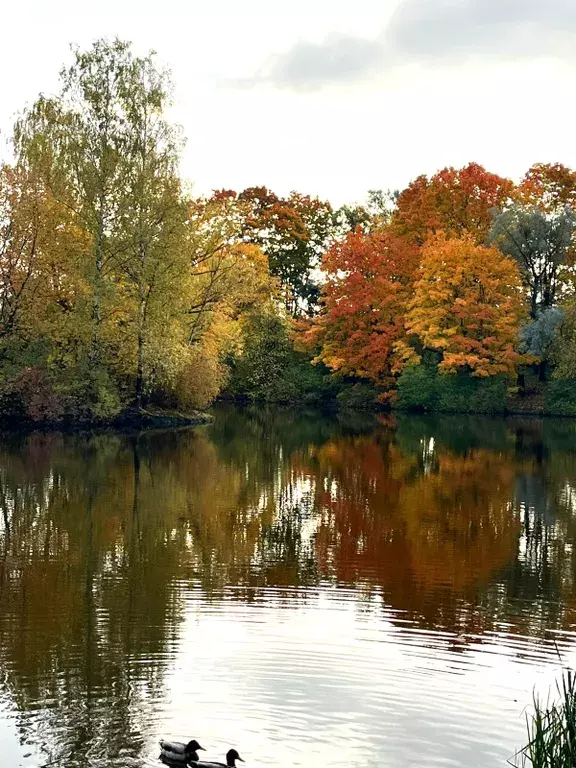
(120, 290)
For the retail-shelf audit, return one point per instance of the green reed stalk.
(552, 729)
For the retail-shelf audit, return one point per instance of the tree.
(77, 142)
(542, 245)
(364, 299)
(550, 187)
(455, 201)
(293, 232)
(467, 306)
(153, 256)
(43, 307)
(562, 349)
(21, 233)
(374, 214)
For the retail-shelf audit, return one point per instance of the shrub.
(420, 387)
(560, 398)
(270, 370)
(417, 388)
(359, 396)
(467, 394)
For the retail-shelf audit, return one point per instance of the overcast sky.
(324, 96)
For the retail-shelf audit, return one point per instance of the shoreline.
(127, 421)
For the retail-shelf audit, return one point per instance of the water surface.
(307, 589)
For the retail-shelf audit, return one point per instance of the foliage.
(457, 202)
(421, 387)
(417, 388)
(119, 290)
(269, 369)
(561, 397)
(293, 232)
(541, 244)
(364, 299)
(563, 347)
(538, 335)
(550, 187)
(358, 396)
(467, 305)
(133, 288)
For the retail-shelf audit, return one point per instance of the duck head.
(231, 757)
(193, 746)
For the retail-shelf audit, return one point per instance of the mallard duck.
(178, 752)
(231, 757)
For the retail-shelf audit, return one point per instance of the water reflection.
(295, 575)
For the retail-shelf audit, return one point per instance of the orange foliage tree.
(551, 187)
(455, 201)
(368, 285)
(467, 305)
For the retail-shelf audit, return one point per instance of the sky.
(327, 97)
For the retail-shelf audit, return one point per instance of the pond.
(307, 589)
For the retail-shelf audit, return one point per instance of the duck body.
(179, 752)
(231, 757)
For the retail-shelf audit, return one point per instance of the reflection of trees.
(461, 521)
(463, 525)
(85, 595)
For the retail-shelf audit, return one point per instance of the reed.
(552, 729)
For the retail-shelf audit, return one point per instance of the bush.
(270, 370)
(417, 389)
(359, 396)
(560, 399)
(467, 394)
(420, 387)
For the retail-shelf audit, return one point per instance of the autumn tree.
(467, 306)
(458, 202)
(77, 142)
(368, 285)
(293, 232)
(21, 234)
(549, 186)
(152, 257)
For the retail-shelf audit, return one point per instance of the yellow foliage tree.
(467, 305)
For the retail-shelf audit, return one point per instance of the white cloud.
(429, 31)
(377, 126)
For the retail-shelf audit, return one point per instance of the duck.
(178, 752)
(231, 757)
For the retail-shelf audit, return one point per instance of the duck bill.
(202, 748)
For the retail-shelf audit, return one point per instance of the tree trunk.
(542, 370)
(140, 358)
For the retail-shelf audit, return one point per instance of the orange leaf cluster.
(551, 187)
(453, 201)
(368, 287)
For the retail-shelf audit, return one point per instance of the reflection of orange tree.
(428, 536)
(460, 520)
